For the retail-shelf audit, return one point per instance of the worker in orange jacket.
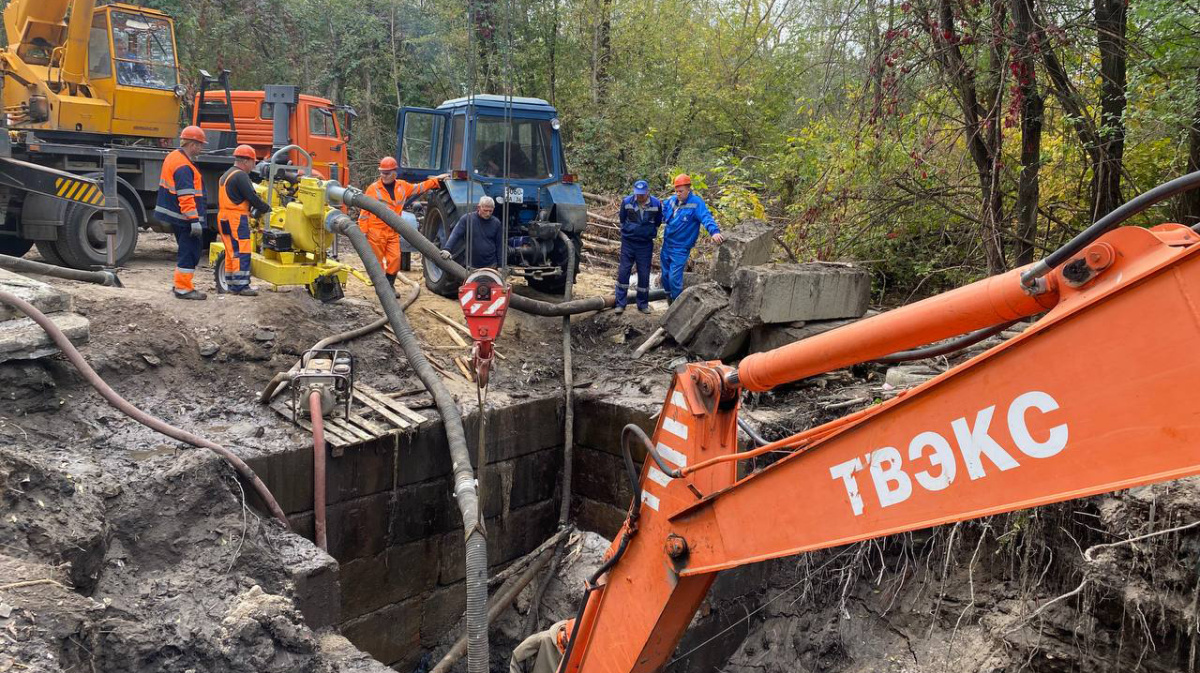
(385, 241)
(238, 203)
(182, 205)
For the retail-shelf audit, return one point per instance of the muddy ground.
(120, 550)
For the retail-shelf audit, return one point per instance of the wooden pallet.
(372, 415)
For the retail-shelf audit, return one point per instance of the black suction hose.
(464, 478)
(945, 348)
(432, 254)
(1127, 210)
(29, 266)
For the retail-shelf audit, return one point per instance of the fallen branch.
(655, 339)
(30, 583)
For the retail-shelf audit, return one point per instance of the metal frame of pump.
(290, 245)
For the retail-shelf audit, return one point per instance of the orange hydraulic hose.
(138, 415)
(982, 304)
(318, 426)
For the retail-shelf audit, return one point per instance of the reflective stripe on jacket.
(684, 221)
(404, 192)
(180, 191)
(639, 223)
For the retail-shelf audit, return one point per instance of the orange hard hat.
(388, 164)
(194, 133)
(245, 152)
(683, 179)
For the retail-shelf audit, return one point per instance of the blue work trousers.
(673, 261)
(635, 253)
(188, 257)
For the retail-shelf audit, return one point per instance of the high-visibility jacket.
(180, 191)
(228, 209)
(403, 192)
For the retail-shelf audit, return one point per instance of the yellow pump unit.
(290, 243)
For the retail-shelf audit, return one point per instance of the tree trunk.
(1110, 37)
(483, 19)
(1032, 111)
(553, 50)
(603, 52)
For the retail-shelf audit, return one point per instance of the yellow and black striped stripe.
(79, 190)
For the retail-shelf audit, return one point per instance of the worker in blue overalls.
(640, 216)
(684, 213)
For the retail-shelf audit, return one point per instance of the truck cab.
(509, 149)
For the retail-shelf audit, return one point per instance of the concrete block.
(23, 339)
(600, 476)
(598, 517)
(535, 477)
(357, 528)
(314, 576)
(786, 293)
(44, 297)
(769, 337)
(390, 635)
(749, 244)
(906, 376)
(401, 572)
(441, 610)
(691, 309)
(598, 424)
(723, 336)
(423, 510)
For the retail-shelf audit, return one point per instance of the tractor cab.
(506, 148)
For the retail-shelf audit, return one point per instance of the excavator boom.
(1091, 398)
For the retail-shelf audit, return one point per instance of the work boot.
(644, 309)
(391, 277)
(190, 294)
(246, 292)
(619, 310)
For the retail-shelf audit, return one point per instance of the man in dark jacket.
(640, 216)
(484, 235)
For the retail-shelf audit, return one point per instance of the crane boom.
(1089, 399)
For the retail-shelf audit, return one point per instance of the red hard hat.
(388, 164)
(683, 179)
(245, 152)
(193, 133)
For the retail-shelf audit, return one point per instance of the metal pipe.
(318, 426)
(103, 277)
(432, 254)
(110, 206)
(136, 414)
(465, 492)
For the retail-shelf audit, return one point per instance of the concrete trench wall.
(397, 536)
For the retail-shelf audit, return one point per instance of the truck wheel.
(49, 251)
(82, 242)
(437, 221)
(14, 247)
(219, 280)
(558, 257)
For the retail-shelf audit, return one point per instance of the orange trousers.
(385, 243)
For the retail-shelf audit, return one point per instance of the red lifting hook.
(484, 297)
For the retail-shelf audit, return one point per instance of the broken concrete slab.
(791, 292)
(689, 311)
(907, 376)
(749, 244)
(722, 336)
(24, 339)
(45, 298)
(769, 337)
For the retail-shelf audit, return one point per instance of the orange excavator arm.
(1093, 397)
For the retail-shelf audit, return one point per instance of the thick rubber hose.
(136, 414)
(318, 426)
(464, 477)
(432, 254)
(1132, 207)
(29, 266)
(946, 348)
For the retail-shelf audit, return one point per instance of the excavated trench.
(397, 590)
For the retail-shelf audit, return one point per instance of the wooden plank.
(333, 435)
(449, 321)
(369, 425)
(394, 405)
(346, 428)
(466, 371)
(454, 336)
(380, 409)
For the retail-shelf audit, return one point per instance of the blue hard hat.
(641, 187)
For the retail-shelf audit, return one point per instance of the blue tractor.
(510, 150)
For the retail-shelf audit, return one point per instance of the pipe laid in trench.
(464, 478)
(432, 255)
(64, 344)
(29, 266)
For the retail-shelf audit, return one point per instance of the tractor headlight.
(179, 91)
(554, 123)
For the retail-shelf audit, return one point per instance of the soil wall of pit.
(395, 530)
